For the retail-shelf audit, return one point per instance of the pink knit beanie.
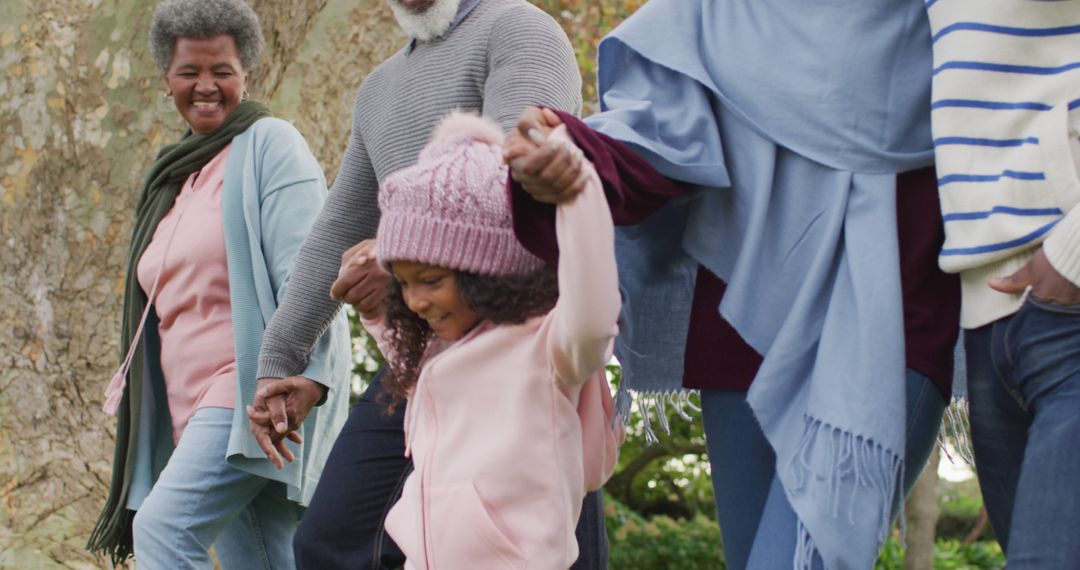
(451, 208)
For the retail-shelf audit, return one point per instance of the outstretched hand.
(279, 408)
(1046, 283)
(550, 172)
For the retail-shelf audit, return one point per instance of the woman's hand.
(361, 282)
(279, 408)
(550, 172)
(1046, 283)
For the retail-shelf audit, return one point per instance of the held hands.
(279, 408)
(1046, 283)
(550, 172)
(281, 404)
(361, 282)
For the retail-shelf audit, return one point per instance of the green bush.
(661, 542)
(959, 505)
(948, 555)
(670, 477)
(891, 557)
(981, 555)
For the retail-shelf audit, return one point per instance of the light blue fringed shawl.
(793, 118)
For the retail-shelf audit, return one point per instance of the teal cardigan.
(273, 191)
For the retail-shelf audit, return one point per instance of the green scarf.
(173, 165)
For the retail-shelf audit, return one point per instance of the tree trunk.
(81, 117)
(922, 517)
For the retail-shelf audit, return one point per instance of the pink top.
(198, 356)
(492, 424)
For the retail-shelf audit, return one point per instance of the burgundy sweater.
(635, 189)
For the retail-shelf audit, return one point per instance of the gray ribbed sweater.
(503, 56)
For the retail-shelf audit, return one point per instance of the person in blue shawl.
(769, 164)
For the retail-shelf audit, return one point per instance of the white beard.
(428, 25)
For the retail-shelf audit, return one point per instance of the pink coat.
(492, 425)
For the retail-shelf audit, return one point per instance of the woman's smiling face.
(207, 80)
(432, 293)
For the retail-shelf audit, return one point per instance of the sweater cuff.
(275, 368)
(1062, 246)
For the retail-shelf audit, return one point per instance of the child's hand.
(533, 127)
(550, 172)
(516, 146)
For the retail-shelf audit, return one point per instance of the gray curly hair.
(175, 19)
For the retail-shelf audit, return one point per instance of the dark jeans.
(343, 525)
(1024, 391)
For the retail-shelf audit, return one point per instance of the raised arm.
(634, 189)
(586, 315)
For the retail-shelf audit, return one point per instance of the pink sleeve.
(376, 327)
(584, 320)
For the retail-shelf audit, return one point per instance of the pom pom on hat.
(459, 123)
(451, 208)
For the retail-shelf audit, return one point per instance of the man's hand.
(550, 173)
(1046, 283)
(361, 282)
(279, 408)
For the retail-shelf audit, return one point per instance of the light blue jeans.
(757, 523)
(200, 500)
(1024, 394)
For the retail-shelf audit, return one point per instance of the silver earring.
(244, 96)
(166, 94)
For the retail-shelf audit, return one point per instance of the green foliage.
(959, 508)
(366, 356)
(661, 543)
(891, 557)
(949, 554)
(670, 477)
(981, 555)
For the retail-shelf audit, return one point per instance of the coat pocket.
(464, 533)
(403, 523)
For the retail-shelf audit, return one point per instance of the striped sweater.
(1006, 116)
(500, 57)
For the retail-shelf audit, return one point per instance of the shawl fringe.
(113, 536)
(844, 462)
(655, 403)
(956, 431)
(113, 531)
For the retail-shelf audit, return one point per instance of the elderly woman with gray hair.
(219, 220)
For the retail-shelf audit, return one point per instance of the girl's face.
(432, 293)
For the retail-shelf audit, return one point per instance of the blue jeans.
(757, 523)
(1024, 391)
(200, 500)
(343, 526)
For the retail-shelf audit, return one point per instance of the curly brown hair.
(510, 299)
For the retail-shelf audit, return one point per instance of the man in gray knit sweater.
(492, 56)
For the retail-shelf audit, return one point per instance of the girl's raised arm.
(586, 315)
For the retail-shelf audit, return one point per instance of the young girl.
(501, 372)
